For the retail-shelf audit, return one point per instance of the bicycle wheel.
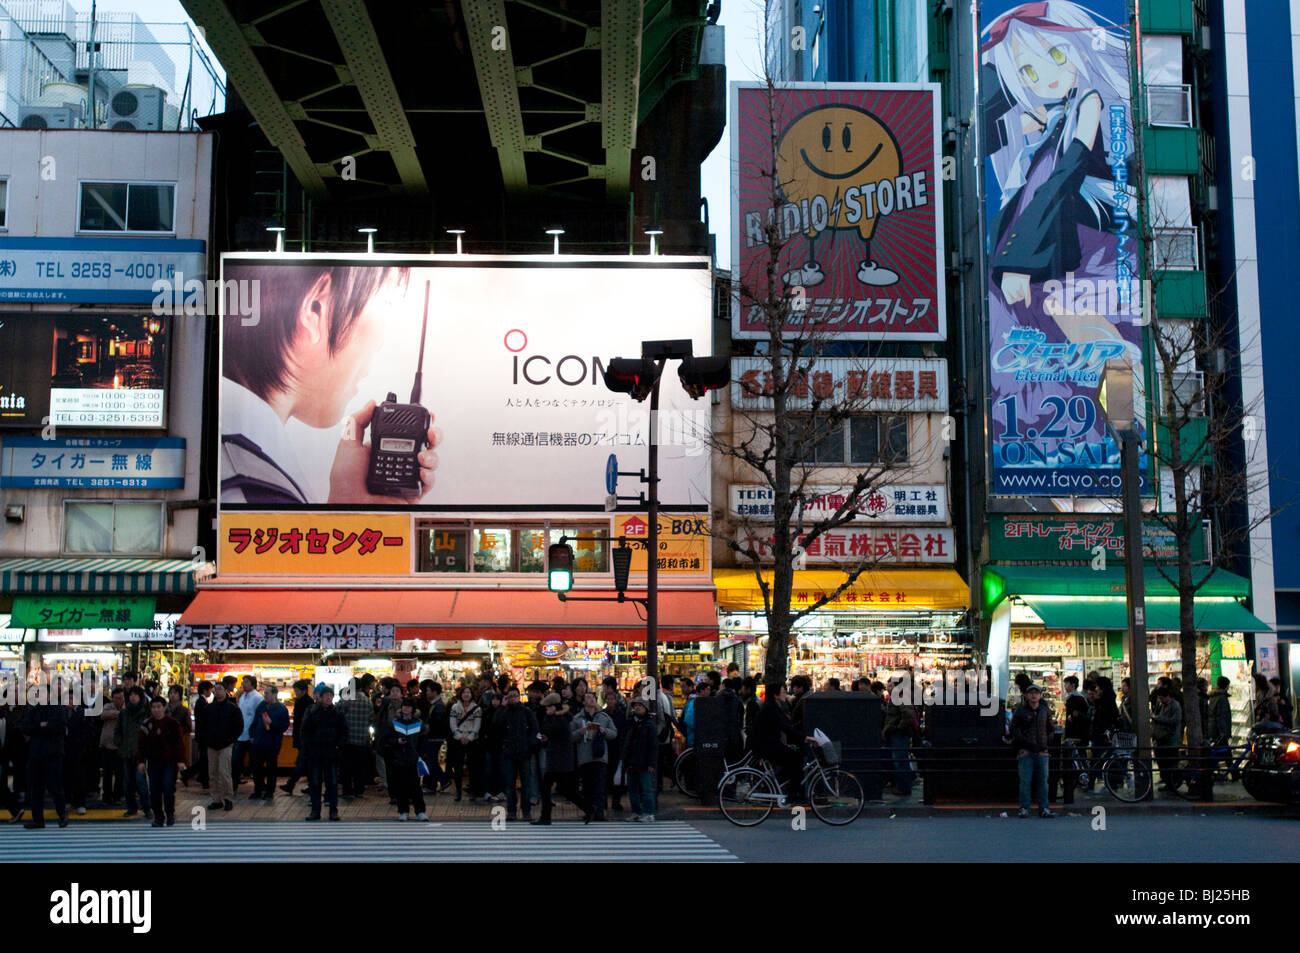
(746, 796)
(836, 796)
(685, 773)
(1128, 778)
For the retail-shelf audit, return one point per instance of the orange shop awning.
(494, 614)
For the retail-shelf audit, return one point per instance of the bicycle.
(686, 770)
(1127, 777)
(746, 795)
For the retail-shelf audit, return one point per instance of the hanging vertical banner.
(1065, 303)
(857, 204)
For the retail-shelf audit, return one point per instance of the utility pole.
(93, 116)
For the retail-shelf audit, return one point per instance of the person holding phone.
(302, 356)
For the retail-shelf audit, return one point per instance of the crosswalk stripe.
(673, 841)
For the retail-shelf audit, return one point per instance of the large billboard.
(853, 190)
(83, 370)
(325, 405)
(1065, 305)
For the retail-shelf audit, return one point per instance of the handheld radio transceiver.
(398, 433)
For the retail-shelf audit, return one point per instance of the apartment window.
(1169, 105)
(502, 548)
(1175, 248)
(4, 203)
(1189, 394)
(148, 207)
(867, 439)
(108, 528)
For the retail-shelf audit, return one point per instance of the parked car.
(1272, 771)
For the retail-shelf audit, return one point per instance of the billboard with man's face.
(842, 183)
(320, 407)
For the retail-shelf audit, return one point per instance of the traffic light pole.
(652, 555)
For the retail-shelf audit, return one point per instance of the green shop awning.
(1215, 614)
(97, 574)
(1079, 597)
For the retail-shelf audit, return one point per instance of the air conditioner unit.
(138, 108)
(50, 117)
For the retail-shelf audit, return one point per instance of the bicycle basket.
(1125, 740)
(829, 753)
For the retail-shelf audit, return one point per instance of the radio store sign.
(893, 504)
(295, 636)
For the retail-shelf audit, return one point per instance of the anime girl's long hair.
(1097, 47)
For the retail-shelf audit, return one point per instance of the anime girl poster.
(1065, 304)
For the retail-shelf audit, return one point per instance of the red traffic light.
(630, 375)
(699, 375)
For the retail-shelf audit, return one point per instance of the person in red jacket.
(162, 749)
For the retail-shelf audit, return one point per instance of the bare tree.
(776, 446)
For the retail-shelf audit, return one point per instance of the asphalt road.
(1126, 838)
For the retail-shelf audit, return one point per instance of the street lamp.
(654, 231)
(555, 233)
(457, 232)
(639, 378)
(370, 239)
(1121, 416)
(279, 236)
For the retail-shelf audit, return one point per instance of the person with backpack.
(901, 726)
(400, 743)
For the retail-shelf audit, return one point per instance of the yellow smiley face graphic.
(834, 152)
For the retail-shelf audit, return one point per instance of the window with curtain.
(112, 528)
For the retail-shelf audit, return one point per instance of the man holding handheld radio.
(318, 329)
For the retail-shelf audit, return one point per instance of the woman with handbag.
(592, 730)
(465, 721)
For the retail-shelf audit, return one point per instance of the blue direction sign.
(611, 474)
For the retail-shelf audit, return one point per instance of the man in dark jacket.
(1031, 732)
(640, 756)
(774, 733)
(302, 702)
(161, 751)
(270, 721)
(749, 696)
(1166, 736)
(45, 727)
(225, 723)
(436, 731)
(324, 732)
(1220, 705)
(557, 755)
(127, 735)
(519, 730)
(199, 768)
(9, 739)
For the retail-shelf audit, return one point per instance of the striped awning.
(97, 574)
